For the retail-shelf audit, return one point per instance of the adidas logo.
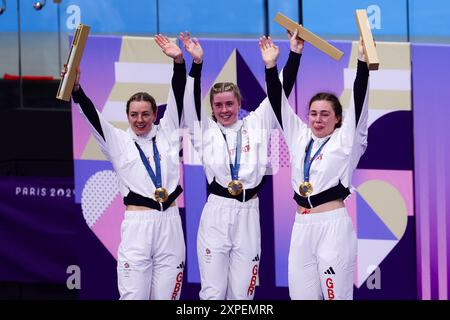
(255, 259)
(330, 271)
(181, 266)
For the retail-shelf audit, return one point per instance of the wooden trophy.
(308, 36)
(366, 35)
(73, 62)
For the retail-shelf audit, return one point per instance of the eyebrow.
(320, 111)
(227, 101)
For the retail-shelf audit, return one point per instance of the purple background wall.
(42, 235)
(431, 94)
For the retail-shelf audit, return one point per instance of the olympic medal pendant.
(161, 195)
(305, 189)
(235, 187)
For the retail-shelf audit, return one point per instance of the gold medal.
(161, 195)
(235, 187)
(305, 189)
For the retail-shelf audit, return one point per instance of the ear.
(155, 114)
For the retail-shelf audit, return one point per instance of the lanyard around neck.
(308, 160)
(156, 178)
(234, 168)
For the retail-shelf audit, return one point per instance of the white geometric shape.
(371, 268)
(115, 111)
(98, 194)
(375, 114)
(135, 72)
(190, 155)
(370, 254)
(388, 79)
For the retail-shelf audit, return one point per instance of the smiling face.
(141, 113)
(141, 117)
(225, 108)
(225, 101)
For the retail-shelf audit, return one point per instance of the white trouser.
(322, 256)
(151, 255)
(229, 249)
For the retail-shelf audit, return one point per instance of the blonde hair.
(220, 87)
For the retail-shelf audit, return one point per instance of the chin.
(322, 134)
(319, 134)
(228, 122)
(141, 132)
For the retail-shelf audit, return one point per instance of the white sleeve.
(190, 119)
(113, 143)
(360, 133)
(292, 125)
(170, 123)
(264, 115)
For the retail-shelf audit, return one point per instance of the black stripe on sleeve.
(290, 71)
(178, 86)
(88, 109)
(360, 88)
(196, 72)
(274, 91)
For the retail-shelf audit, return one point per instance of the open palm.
(169, 48)
(192, 46)
(269, 51)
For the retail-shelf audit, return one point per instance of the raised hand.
(169, 48)
(76, 85)
(361, 53)
(295, 42)
(192, 46)
(269, 51)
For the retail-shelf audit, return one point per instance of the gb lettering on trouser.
(251, 288)
(177, 288)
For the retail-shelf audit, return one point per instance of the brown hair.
(335, 103)
(142, 96)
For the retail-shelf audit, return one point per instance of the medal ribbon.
(237, 159)
(156, 178)
(308, 161)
